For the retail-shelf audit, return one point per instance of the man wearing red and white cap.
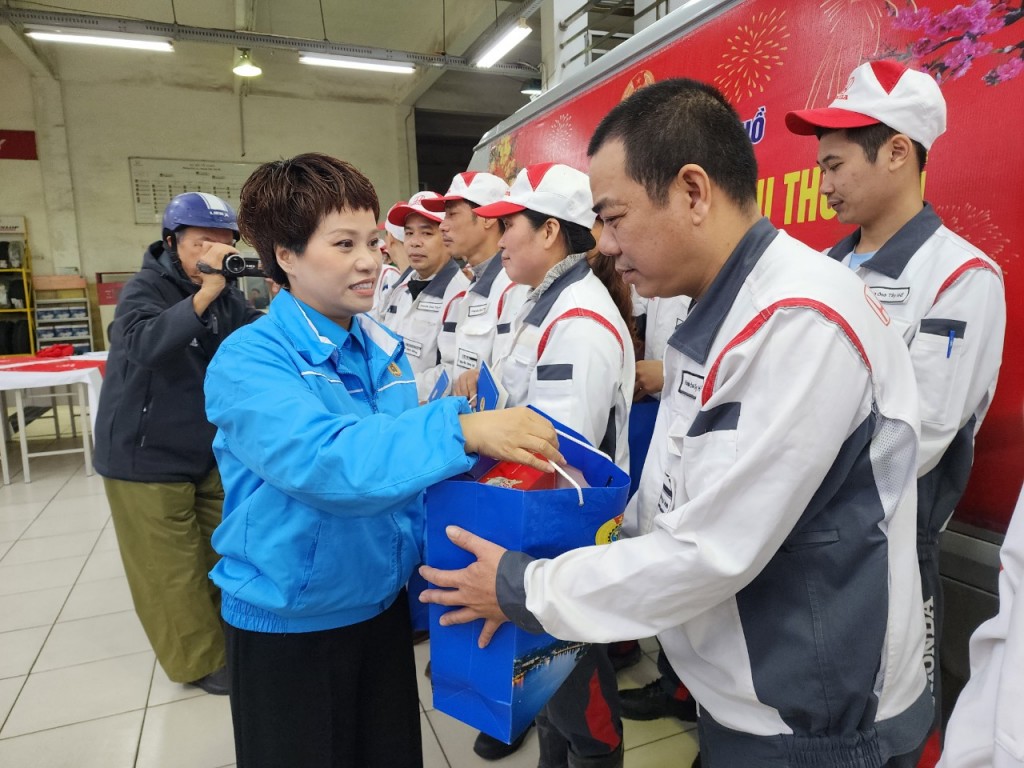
(944, 295)
(393, 266)
(428, 294)
(483, 326)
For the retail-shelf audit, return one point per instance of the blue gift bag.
(501, 688)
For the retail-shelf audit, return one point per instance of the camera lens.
(234, 264)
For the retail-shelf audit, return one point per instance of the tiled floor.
(79, 686)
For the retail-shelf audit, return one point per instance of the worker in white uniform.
(572, 357)
(665, 696)
(428, 295)
(771, 543)
(944, 295)
(484, 321)
(393, 265)
(986, 729)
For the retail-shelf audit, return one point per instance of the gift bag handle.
(563, 473)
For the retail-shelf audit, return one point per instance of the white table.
(84, 380)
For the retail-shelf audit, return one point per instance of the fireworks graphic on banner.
(754, 51)
(852, 35)
(975, 225)
(560, 138)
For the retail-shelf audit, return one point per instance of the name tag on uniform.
(667, 493)
(888, 295)
(430, 305)
(413, 348)
(691, 384)
(477, 309)
(467, 359)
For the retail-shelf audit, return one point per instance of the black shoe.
(652, 702)
(624, 659)
(426, 670)
(696, 761)
(218, 683)
(490, 748)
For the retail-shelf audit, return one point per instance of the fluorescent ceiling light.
(515, 35)
(348, 62)
(244, 66)
(97, 37)
(532, 87)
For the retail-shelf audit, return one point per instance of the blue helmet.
(198, 209)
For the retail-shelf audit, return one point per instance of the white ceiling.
(450, 27)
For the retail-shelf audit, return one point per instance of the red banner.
(769, 57)
(18, 145)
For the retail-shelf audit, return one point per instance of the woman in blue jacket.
(324, 456)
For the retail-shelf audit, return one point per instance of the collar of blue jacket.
(314, 345)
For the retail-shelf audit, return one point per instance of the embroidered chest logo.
(394, 370)
(691, 384)
(876, 306)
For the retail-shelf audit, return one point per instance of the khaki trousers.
(163, 532)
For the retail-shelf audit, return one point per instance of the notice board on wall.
(155, 181)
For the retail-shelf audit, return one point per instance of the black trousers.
(340, 698)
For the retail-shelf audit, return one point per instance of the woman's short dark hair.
(870, 138)
(667, 125)
(578, 239)
(282, 203)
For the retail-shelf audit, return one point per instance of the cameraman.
(153, 442)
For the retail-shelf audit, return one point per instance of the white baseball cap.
(394, 230)
(906, 100)
(476, 188)
(401, 211)
(550, 188)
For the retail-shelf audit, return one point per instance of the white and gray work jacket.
(482, 330)
(571, 356)
(418, 321)
(946, 297)
(388, 278)
(986, 729)
(663, 316)
(772, 536)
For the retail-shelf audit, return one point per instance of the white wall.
(21, 181)
(118, 105)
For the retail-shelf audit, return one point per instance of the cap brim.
(499, 209)
(437, 203)
(400, 213)
(807, 122)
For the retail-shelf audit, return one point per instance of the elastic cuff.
(510, 586)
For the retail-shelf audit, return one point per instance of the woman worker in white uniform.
(572, 357)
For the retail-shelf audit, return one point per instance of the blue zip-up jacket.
(323, 480)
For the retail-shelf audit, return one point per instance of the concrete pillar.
(562, 49)
(58, 193)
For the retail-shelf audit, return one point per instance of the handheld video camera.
(235, 265)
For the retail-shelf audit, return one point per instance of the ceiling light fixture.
(244, 66)
(532, 87)
(91, 37)
(512, 37)
(348, 62)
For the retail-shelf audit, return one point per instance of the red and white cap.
(906, 100)
(394, 230)
(401, 211)
(550, 188)
(475, 187)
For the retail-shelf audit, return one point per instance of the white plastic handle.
(567, 476)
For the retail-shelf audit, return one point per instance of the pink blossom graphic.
(950, 42)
